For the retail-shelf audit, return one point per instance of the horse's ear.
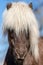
(9, 5)
(30, 5)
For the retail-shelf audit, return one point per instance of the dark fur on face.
(19, 45)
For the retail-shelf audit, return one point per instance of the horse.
(21, 26)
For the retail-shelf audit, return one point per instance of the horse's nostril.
(20, 59)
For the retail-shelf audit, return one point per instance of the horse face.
(19, 44)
